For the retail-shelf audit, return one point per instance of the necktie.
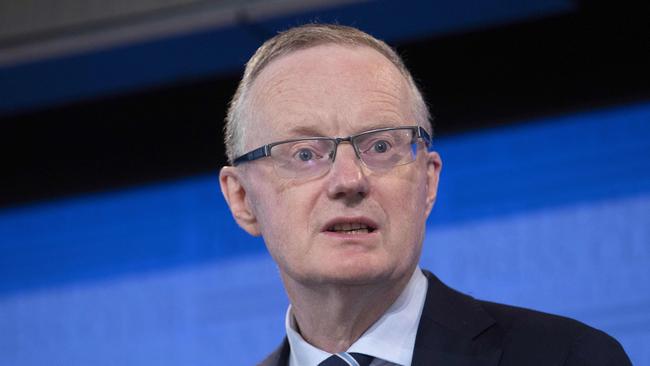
(347, 359)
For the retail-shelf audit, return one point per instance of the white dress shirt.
(390, 340)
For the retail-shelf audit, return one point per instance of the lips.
(350, 225)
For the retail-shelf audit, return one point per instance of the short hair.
(299, 38)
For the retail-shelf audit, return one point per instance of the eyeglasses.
(380, 150)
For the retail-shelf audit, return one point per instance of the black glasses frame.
(265, 151)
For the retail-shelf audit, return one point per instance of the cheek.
(284, 214)
(407, 206)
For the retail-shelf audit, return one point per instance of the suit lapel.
(279, 357)
(454, 330)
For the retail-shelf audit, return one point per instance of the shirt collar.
(391, 338)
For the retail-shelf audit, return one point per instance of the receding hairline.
(314, 35)
(274, 72)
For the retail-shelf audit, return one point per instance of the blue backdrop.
(551, 214)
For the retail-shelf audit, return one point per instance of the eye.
(381, 146)
(304, 155)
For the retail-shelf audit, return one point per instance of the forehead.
(328, 89)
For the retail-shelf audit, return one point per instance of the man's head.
(298, 38)
(352, 223)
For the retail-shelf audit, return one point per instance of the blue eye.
(305, 155)
(380, 146)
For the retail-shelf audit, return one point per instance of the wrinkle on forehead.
(301, 87)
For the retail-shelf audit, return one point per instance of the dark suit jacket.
(455, 329)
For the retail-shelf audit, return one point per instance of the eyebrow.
(380, 123)
(309, 131)
(305, 131)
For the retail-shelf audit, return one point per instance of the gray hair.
(298, 38)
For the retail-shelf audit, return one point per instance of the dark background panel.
(595, 56)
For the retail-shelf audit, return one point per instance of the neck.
(333, 317)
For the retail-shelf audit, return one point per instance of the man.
(329, 141)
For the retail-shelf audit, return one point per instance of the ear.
(434, 166)
(235, 194)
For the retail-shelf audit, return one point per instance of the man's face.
(338, 91)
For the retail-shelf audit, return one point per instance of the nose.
(346, 178)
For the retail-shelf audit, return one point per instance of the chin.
(351, 269)
(355, 273)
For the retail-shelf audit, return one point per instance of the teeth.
(351, 227)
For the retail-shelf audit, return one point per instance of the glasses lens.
(386, 149)
(302, 158)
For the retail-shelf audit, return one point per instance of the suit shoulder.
(513, 318)
(574, 342)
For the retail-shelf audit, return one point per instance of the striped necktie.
(347, 359)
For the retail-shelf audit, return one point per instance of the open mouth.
(351, 228)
